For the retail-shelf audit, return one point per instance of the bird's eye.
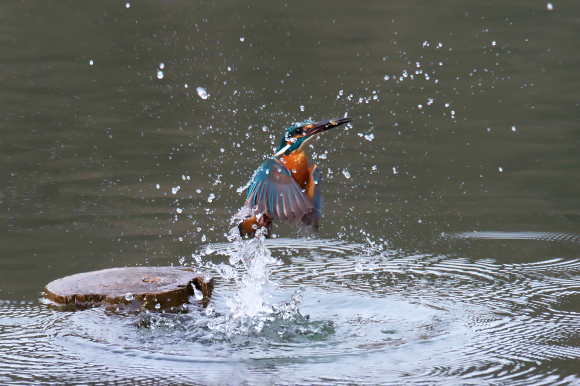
(298, 130)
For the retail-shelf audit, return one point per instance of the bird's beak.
(319, 127)
(311, 131)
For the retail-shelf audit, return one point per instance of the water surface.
(448, 251)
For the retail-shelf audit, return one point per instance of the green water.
(450, 254)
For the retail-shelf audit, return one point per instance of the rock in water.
(164, 287)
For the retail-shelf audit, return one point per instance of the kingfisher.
(284, 187)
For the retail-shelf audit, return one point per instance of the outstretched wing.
(274, 192)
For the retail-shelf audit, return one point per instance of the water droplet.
(493, 43)
(500, 169)
(264, 128)
(346, 173)
(186, 86)
(198, 294)
(386, 77)
(419, 107)
(211, 197)
(175, 189)
(179, 210)
(323, 156)
(374, 167)
(369, 137)
(198, 190)
(158, 186)
(513, 128)
(158, 306)
(127, 5)
(301, 108)
(209, 310)
(161, 66)
(203, 238)
(446, 104)
(201, 92)
(91, 62)
(242, 39)
(394, 170)
(549, 6)
(129, 296)
(159, 74)
(430, 101)
(229, 68)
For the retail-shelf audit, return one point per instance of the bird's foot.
(250, 226)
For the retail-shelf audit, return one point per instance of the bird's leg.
(250, 225)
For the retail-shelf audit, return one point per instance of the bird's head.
(296, 137)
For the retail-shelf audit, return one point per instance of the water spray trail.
(254, 286)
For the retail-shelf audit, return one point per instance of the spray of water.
(249, 267)
(249, 314)
(254, 286)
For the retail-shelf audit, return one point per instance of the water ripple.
(425, 318)
(539, 236)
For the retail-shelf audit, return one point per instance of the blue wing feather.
(274, 192)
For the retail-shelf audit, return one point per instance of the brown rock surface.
(166, 286)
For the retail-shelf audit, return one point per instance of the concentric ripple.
(540, 236)
(369, 314)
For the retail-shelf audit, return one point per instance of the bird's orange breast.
(297, 163)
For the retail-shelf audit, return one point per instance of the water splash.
(249, 312)
(253, 258)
